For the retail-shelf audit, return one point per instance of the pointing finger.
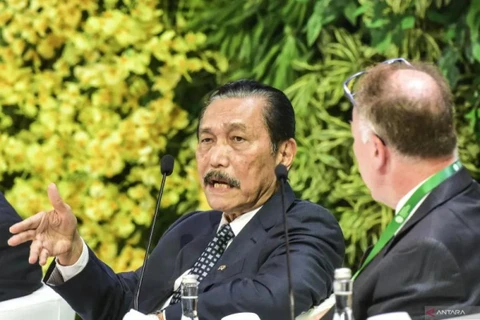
(31, 223)
(21, 238)
(55, 198)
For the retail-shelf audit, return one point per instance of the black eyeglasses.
(350, 81)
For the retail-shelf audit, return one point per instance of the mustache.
(213, 176)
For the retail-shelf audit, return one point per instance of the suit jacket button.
(222, 267)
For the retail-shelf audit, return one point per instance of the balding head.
(417, 86)
(410, 107)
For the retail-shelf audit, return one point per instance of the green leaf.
(385, 43)
(379, 23)
(473, 22)
(315, 22)
(476, 51)
(362, 9)
(448, 66)
(351, 12)
(407, 22)
(472, 117)
(261, 68)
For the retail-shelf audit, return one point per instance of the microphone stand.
(166, 169)
(282, 173)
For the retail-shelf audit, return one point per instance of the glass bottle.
(342, 288)
(189, 294)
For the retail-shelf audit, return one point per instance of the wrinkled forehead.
(237, 112)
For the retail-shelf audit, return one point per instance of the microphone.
(282, 174)
(166, 168)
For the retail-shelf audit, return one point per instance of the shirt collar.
(405, 198)
(239, 223)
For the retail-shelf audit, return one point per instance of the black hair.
(278, 114)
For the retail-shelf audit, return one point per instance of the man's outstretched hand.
(53, 233)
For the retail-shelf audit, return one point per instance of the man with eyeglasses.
(406, 148)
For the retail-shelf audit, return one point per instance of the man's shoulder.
(308, 208)
(200, 215)
(197, 218)
(451, 226)
(450, 213)
(456, 216)
(314, 217)
(462, 203)
(8, 215)
(307, 204)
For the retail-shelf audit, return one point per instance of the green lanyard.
(395, 225)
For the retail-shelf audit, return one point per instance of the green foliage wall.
(309, 48)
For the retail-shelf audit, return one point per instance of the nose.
(219, 156)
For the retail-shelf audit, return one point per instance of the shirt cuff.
(68, 272)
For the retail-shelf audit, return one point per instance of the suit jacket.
(17, 277)
(255, 277)
(433, 261)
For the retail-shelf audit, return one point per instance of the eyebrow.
(237, 126)
(205, 130)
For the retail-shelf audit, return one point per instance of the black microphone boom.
(282, 174)
(166, 168)
(166, 165)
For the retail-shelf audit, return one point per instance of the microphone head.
(166, 165)
(281, 172)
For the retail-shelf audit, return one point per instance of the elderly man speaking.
(245, 131)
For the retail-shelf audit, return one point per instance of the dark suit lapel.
(189, 254)
(443, 193)
(185, 260)
(233, 258)
(365, 255)
(255, 231)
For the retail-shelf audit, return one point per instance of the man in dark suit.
(405, 144)
(244, 132)
(17, 277)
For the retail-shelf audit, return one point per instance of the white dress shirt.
(68, 272)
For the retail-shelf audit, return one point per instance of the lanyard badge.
(407, 209)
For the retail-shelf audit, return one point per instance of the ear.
(381, 153)
(286, 152)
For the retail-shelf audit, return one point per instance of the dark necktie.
(209, 257)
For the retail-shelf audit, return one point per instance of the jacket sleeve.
(19, 278)
(97, 292)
